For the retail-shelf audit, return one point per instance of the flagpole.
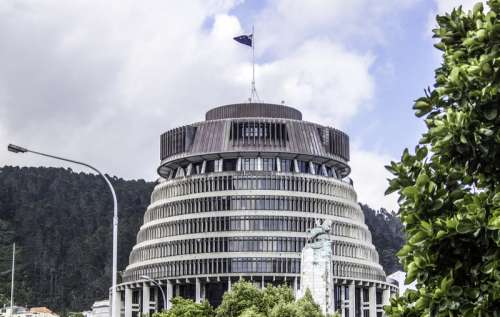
(253, 63)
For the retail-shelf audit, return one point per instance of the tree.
(182, 307)
(307, 307)
(284, 310)
(450, 187)
(243, 295)
(273, 295)
(251, 312)
(245, 300)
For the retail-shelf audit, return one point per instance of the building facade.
(237, 195)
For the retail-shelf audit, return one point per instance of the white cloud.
(99, 81)
(347, 21)
(370, 178)
(328, 83)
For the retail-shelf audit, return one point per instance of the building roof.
(253, 110)
(41, 310)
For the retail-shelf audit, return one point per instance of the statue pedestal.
(317, 273)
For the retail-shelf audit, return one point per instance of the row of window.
(246, 223)
(216, 266)
(275, 164)
(226, 203)
(219, 266)
(258, 133)
(197, 185)
(219, 244)
(243, 244)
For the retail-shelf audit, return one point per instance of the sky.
(99, 81)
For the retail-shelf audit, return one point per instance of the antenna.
(253, 93)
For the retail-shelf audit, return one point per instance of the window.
(303, 166)
(196, 169)
(249, 164)
(229, 164)
(287, 166)
(217, 165)
(269, 164)
(210, 167)
(258, 132)
(379, 297)
(316, 168)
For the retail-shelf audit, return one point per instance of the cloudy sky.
(99, 81)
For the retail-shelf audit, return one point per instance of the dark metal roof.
(253, 110)
(216, 138)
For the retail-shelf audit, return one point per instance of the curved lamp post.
(145, 277)
(18, 149)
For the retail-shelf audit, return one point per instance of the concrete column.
(229, 284)
(262, 283)
(198, 290)
(386, 295)
(169, 294)
(342, 299)
(128, 302)
(295, 286)
(119, 304)
(372, 293)
(145, 299)
(331, 305)
(352, 299)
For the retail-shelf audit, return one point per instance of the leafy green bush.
(450, 188)
(243, 295)
(182, 307)
(246, 300)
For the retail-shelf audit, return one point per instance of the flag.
(244, 39)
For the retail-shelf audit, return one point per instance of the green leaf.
(478, 8)
(410, 191)
(455, 291)
(405, 250)
(418, 238)
(438, 203)
(421, 153)
(422, 179)
(491, 113)
(496, 199)
(465, 227)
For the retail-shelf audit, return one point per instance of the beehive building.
(237, 195)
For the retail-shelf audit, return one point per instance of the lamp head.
(145, 277)
(16, 149)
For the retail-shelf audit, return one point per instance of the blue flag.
(244, 39)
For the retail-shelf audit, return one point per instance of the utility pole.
(12, 281)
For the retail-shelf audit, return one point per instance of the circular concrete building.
(238, 194)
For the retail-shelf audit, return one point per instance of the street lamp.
(18, 149)
(145, 277)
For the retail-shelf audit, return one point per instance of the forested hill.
(61, 222)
